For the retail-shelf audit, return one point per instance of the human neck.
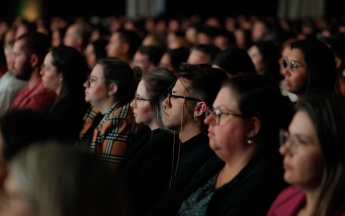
(153, 125)
(300, 96)
(104, 106)
(125, 58)
(58, 90)
(188, 131)
(35, 77)
(311, 195)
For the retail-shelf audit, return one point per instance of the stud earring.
(250, 141)
(60, 82)
(109, 93)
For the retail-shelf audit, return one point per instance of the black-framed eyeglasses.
(292, 65)
(169, 96)
(136, 99)
(216, 115)
(293, 141)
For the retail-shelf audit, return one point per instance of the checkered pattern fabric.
(111, 136)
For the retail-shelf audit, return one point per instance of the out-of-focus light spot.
(31, 9)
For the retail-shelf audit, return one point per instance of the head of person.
(147, 57)
(313, 151)
(248, 112)
(225, 40)
(29, 52)
(150, 94)
(123, 44)
(195, 89)
(206, 35)
(8, 49)
(111, 81)
(176, 40)
(50, 179)
(234, 61)
(76, 36)
(15, 137)
(337, 45)
(310, 69)
(191, 35)
(64, 71)
(203, 54)
(285, 50)
(155, 39)
(259, 29)
(57, 36)
(24, 27)
(95, 51)
(172, 59)
(265, 57)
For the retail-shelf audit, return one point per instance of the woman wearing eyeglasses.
(146, 166)
(243, 129)
(63, 71)
(310, 69)
(109, 124)
(313, 150)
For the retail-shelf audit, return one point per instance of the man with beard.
(29, 52)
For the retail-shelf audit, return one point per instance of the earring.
(109, 93)
(250, 141)
(60, 82)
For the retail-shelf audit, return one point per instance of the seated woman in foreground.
(144, 166)
(314, 153)
(243, 129)
(109, 124)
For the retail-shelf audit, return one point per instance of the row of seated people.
(209, 144)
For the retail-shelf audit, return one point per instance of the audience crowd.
(172, 116)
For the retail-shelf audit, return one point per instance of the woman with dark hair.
(265, 58)
(243, 129)
(63, 71)
(95, 51)
(172, 59)
(313, 150)
(58, 181)
(234, 61)
(310, 69)
(109, 123)
(144, 166)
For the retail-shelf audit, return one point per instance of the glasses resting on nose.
(216, 115)
(292, 65)
(91, 80)
(137, 98)
(292, 141)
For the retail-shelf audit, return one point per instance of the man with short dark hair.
(76, 37)
(29, 52)
(147, 57)
(123, 44)
(196, 88)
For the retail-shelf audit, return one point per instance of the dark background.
(9, 9)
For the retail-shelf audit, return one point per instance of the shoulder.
(287, 202)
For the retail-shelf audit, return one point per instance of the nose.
(85, 84)
(208, 120)
(287, 71)
(133, 104)
(107, 47)
(284, 149)
(165, 102)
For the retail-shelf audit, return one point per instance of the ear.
(338, 62)
(79, 41)
(254, 127)
(125, 48)
(113, 88)
(200, 109)
(34, 60)
(60, 77)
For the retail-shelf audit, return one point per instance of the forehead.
(48, 58)
(98, 71)
(180, 86)
(140, 56)
(296, 55)
(18, 45)
(141, 90)
(302, 124)
(115, 36)
(226, 98)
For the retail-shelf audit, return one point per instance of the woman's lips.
(286, 166)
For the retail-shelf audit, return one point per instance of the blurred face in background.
(90, 56)
(257, 59)
(50, 78)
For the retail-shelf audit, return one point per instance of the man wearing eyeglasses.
(186, 103)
